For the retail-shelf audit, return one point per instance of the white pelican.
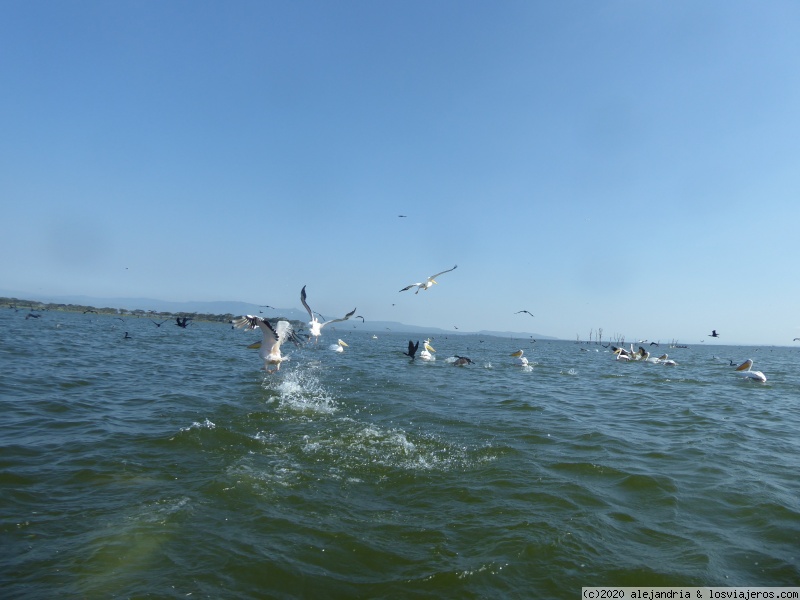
(744, 371)
(621, 353)
(339, 346)
(314, 324)
(270, 346)
(519, 359)
(665, 360)
(426, 353)
(424, 285)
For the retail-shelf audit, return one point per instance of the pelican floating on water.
(270, 346)
(744, 371)
(314, 324)
(664, 359)
(339, 346)
(427, 351)
(424, 285)
(519, 359)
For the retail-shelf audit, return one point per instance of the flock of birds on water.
(275, 335)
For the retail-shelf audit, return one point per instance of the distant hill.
(236, 308)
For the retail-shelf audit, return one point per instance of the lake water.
(170, 465)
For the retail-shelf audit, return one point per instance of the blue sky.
(626, 165)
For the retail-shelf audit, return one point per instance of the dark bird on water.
(713, 333)
(127, 337)
(31, 315)
(460, 361)
(524, 311)
(412, 349)
(182, 321)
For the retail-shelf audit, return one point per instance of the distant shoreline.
(36, 305)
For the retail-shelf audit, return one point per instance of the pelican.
(621, 353)
(339, 346)
(428, 282)
(426, 353)
(314, 324)
(519, 359)
(744, 371)
(412, 349)
(665, 360)
(270, 346)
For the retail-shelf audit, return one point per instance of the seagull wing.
(344, 318)
(443, 272)
(303, 300)
(408, 287)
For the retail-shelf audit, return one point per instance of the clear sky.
(627, 165)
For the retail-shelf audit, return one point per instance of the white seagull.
(519, 359)
(270, 346)
(424, 285)
(744, 371)
(314, 324)
(425, 353)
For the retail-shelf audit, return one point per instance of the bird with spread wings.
(424, 285)
(314, 324)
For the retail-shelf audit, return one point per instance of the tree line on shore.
(35, 305)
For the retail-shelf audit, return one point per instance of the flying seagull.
(270, 346)
(713, 333)
(428, 282)
(314, 324)
(157, 324)
(525, 311)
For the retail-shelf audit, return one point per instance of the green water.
(170, 466)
